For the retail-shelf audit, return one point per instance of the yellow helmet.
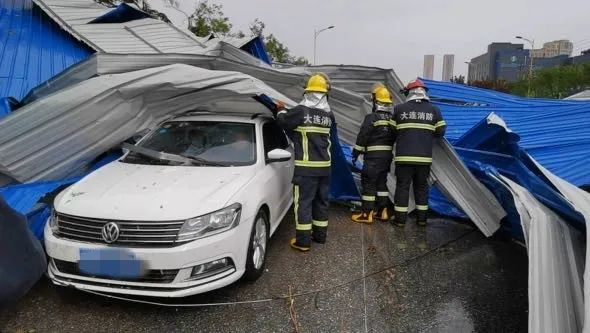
(381, 94)
(318, 82)
(376, 87)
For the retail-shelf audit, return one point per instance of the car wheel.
(257, 248)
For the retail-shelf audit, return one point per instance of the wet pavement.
(446, 277)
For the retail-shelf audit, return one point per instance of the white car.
(188, 209)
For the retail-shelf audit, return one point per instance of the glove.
(279, 106)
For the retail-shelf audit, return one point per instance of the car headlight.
(210, 224)
(53, 224)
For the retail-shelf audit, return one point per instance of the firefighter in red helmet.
(418, 123)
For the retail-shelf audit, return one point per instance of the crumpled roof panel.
(541, 124)
(73, 11)
(32, 48)
(138, 36)
(52, 137)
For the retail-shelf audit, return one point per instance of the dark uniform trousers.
(374, 183)
(407, 174)
(311, 195)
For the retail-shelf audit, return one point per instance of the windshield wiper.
(169, 157)
(202, 161)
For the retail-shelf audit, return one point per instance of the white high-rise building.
(428, 67)
(448, 67)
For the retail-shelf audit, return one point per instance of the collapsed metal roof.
(146, 35)
(33, 49)
(34, 144)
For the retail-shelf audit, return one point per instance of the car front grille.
(151, 276)
(131, 233)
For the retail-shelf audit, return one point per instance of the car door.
(279, 183)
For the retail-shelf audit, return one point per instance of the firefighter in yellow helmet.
(309, 125)
(375, 142)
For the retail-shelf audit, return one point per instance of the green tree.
(257, 28)
(499, 85)
(277, 50)
(458, 79)
(141, 4)
(556, 82)
(209, 19)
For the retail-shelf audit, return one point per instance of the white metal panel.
(556, 302)
(53, 136)
(138, 36)
(580, 199)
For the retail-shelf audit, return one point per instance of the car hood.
(123, 191)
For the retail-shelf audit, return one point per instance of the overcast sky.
(397, 34)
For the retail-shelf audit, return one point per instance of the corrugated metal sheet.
(556, 302)
(581, 96)
(52, 137)
(72, 12)
(554, 132)
(350, 107)
(580, 199)
(139, 36)
(32, 48)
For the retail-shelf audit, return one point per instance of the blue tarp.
(25, 198)
(22, 259)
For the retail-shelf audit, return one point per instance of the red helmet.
(415, 84)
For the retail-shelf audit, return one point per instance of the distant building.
(554, 49)
(448, 67)
(428, 67)
(511, 62)
(500, 62)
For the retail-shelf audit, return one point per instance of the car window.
(230, 143)
(274, 137)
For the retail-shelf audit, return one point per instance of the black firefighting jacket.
(376, 137)
(417, 124)
(309, 128)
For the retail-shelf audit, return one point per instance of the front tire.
(256, 259)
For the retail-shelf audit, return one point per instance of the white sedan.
(188, 209)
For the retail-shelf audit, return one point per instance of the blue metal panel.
(7, 105)
(554, 132)
(32, 48)
(24, 197)
(256, 48)
(122, 13)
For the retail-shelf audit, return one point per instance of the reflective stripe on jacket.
(376, 136)
(309, 128)
(417, 124)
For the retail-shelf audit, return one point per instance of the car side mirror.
(278, 155)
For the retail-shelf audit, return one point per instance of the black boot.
(421, 217)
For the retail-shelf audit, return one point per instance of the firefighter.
(309, 125)
(375, 142)
(418, 123)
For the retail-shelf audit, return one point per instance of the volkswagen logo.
(110, 232)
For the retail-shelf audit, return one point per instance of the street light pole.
(315, 37)
(532, 42)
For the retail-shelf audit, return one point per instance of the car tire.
(257, 247)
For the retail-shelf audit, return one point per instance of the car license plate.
(111, 263)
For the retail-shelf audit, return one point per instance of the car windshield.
(205, 142)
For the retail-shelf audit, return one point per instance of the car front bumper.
(232, 244)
